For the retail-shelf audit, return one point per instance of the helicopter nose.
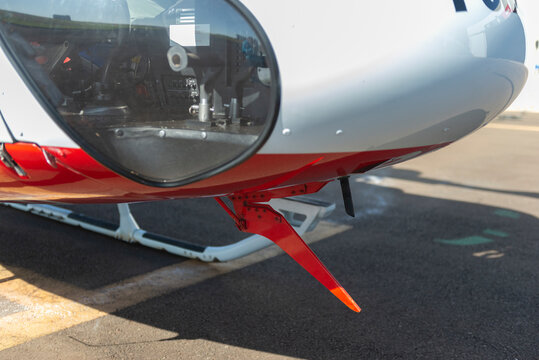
(400, 82)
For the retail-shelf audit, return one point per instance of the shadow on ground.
(413, 175)
(421, 297)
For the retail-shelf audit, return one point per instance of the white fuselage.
(355, 77)
(383, 75)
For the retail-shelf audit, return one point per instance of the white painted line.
(67, 306)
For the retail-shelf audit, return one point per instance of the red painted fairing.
(74, 177)
(253, 217)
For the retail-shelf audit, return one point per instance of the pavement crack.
(121, 344)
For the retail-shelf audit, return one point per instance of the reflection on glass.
(164, 90)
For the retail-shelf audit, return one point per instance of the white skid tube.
(303, 214)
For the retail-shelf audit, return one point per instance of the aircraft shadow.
(413, 175)
(427, 288)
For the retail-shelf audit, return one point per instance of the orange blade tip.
(342, 295)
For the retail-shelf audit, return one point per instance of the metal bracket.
(8, 161)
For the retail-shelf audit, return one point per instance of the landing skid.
(303, 214)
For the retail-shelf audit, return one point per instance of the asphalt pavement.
(442, 257)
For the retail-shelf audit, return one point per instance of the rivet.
(286, 132)
(204, 135)
(162, 133)
(339, 132)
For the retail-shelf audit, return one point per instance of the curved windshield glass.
(162, 91)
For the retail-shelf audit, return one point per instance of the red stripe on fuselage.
(78, 178)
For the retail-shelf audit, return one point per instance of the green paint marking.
(507, 213)
(496, 233)
(467, 241)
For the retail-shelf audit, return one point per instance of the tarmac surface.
(442, 257)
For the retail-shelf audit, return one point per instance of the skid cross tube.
(129, 231)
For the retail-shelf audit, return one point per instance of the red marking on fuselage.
(78, 178)
(508, 11)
